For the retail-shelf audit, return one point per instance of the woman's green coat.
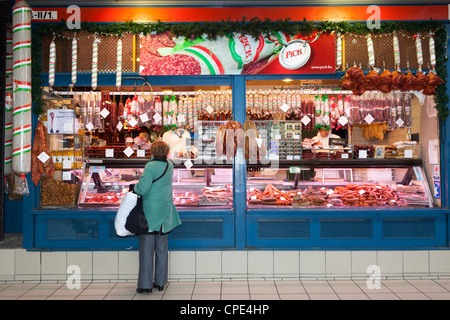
(157, 197)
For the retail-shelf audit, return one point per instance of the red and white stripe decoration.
(51, 62)
(21, 119)
(8, 104)
(94, 64)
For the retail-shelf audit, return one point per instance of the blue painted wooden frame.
(244, 225)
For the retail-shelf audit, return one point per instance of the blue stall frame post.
(243, 233)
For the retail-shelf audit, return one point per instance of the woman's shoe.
(160, 288)
(140, 290)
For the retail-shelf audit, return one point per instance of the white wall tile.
(260, 264)
(7, 265)
(182, 264)
(286, 264)
(82, 259)
(27, 265)
(361, 260)
(54, 265)
(338, 264)
(390, 263)
(234, 264)
(416, 262)
(105, 265)
(128, 265)
(208, 264)
(439, 262)
(312, 264)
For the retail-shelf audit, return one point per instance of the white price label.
(132, 122)
(343, 121)
(67, 164)
(109, 153)
(141, 153)
(67, 176)
(188, 164)
(144, 117)
(43, 157)
(284, 107)
(128, 151)
(119, 126)
(209, 109)
(305, 120)
(157, 118)
(362, 154)
(90, 126)
(104, 113)
(400, 122)
(408, 154)
(369, 119)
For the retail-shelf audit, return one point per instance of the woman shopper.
(162, 217)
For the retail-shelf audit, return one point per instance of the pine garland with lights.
(254, 27)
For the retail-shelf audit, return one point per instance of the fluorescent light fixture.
(288, 80)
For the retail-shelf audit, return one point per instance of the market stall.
(347, 154)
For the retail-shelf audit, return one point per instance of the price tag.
(305, 120)
(144, 117)
(104, 113)
(362, 154)
(132, 122)
(157, 118)
(284, 107)
(369, 119)
(141, 153)
(67, 164)
(209, 109)
(296, 136)
(408, 154)
(119, 126)
(289, 157)
(188, 164)
(361, 191)
(181, 118)
(278, 136)
(253, 197)
(109, 153)
(344, 156)
(343, 121)
(43, 157)
(326, 119)
(128, 151)
(67, 176)
(90, 126)
(400, 122)
(282, 199)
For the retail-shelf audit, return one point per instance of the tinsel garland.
(255, 27)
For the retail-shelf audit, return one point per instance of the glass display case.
(344, 184)
(107, 182)
(65, 148)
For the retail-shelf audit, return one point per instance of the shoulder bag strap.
(167, 166)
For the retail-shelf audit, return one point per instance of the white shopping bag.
(128, 203)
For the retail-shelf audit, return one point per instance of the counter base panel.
(95, 231)
(347, 230)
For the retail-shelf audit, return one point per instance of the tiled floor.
(404, 289)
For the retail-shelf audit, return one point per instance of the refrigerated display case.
(201, 187)
(339, 184)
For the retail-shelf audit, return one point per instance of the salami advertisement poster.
(237, 54)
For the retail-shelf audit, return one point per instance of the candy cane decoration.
(94, 64)
(419, 51)
(338, 51)
(74, 61)
(51, 61)
(432, 52)
(370, 51)
(396, 50)
(119, 64)
(8, 105)
(21, 124)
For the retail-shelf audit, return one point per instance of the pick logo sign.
(295, 54)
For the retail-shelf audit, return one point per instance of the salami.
(21, 33)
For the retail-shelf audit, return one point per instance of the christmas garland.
(254, 27)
